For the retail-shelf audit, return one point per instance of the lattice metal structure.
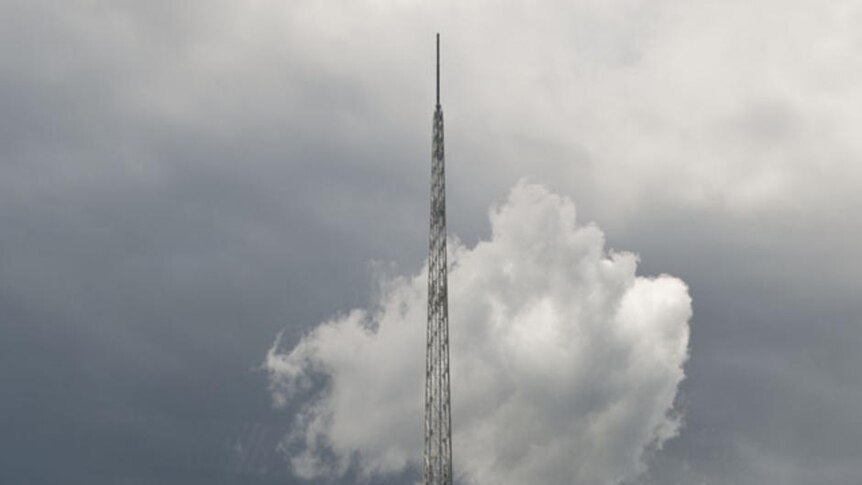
(438, 418)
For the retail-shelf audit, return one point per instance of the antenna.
(438, 69)
(437, 457)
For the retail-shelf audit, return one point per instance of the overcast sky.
(180, 182)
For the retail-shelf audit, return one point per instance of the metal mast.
(438, 419)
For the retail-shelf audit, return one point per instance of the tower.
(438, 419)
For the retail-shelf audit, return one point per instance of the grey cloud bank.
(178, 182)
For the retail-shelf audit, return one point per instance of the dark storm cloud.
(179, 182)
(149, 255)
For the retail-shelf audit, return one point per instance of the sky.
(201, 201)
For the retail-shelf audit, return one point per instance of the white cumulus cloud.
(565, 363)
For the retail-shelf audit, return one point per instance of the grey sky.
(180, 182)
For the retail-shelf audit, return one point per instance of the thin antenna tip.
(438, 69)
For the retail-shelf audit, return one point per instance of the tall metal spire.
(438, 417)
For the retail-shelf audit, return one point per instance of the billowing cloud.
(565, 364)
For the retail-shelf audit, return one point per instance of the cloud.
(565, 364)
(174, 176)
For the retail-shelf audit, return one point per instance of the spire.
(438, 417)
